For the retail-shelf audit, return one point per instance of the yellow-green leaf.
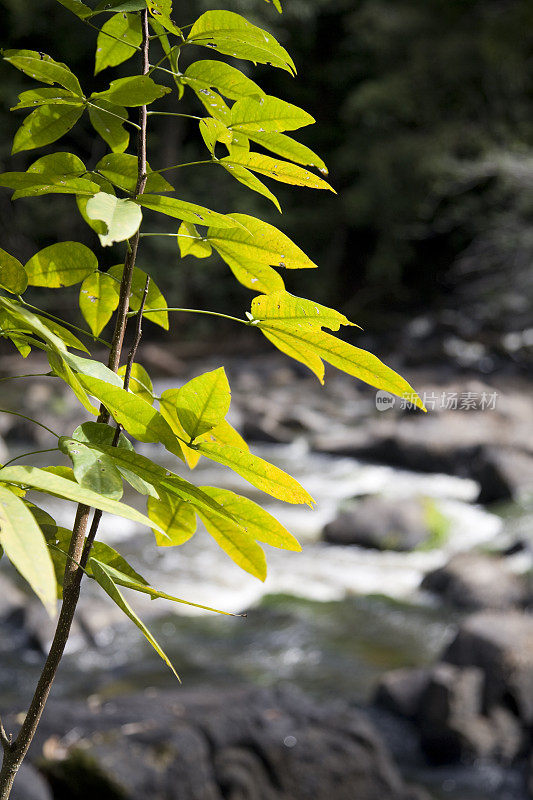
(289, 311)
(24, 544)
(254, 519)
(140, 382)
(122, 217)
(103, 575)
(45, 97)
(225, 79)
(258, 472)
(154, 298)
(282, 171)
(269, 114)
(99, 295)
(175, 516)
(203, 402)
(191, 243)
(135, 90)
(237, 543)
(13, 276)
(118, 40)
(61, 264)
(108, 120)
(92, 470)
(213, 131)
(45, 125)
(256, 276)
(188, 212)
(43, 68)
(286, 147)
(247, 178)
(121, 169)
(258, 242)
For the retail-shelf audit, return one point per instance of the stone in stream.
(381, 524)
(501, 644)
(215, 745)
(475, 581)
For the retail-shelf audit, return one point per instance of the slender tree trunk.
(15, 751)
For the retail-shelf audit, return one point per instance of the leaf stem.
(65, 322)
(200, 311)
(30, 419)
(112, 113)
(171, 114)
(187, 164)
(29, 375)
(31, 453)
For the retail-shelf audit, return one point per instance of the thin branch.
(30, 419)
(5, 740)
(31, 453)
(29, 375)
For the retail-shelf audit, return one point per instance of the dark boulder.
(400, 691)
(245, 744)
(381, 524)
(475, 581)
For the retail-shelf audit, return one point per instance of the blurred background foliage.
(424, 118)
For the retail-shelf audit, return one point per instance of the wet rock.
(248, 743)
(30, 785)
(476, 581)
(380, 524)
(400, 691)
(501, 644)
(502, 473)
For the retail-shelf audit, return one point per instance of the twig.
(5, 740)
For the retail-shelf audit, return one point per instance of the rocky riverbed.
(423, 530)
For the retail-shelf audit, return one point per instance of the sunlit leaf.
(140, 383)
(64, 371)
(289, 311)
(135, 90)
(43, 68)
(214, 104)
(288, 148)
(45, 125)
(122, 217)
(53, 483)
(103, 575)
(247, 178)
(218, 75)
(24, 544)
(213, 131)
(258, 242)
(188, 212)
(13, 276)
(191, 243)
(175, 516)
(118, 40)
(161, 11)
(46, 97)
(237, 543)
(121, 169)
(254, 275)
(92, 470)
(258, 472)
(268, 114)
(61, 264)
(257, 522)
(77, 7)
(203, 402)
(233, 35)
(99, 295)
(282, 171)
(102, 552)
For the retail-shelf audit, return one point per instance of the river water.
(331, 619)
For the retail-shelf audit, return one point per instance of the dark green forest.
(423, 112)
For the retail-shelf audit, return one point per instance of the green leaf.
(64, 371)
(225, 79)
(97, 434)
(233, 35)
(191, 243)
(154, 298)
(108, 556)
(57, 173)
(95, 369)
(63, 165)
(258, 242)
(203, 402)
(24, 544)
(282, 171)
(81, 202)
(237, 543)
(290, 312)
(118, 40)
(168, 408)
(108, 120)
(188, 212)
(277, 5)
(121, 169)
(175, 516)
(248, 179)
(24, 319)
(258, 472)
(136, 415)
(128, 5)
(92, 470)
(140, 383)
(214, 104)
(161, 10)
(45, 125)
(122, 579)
(103, 575)
(61, 264)
(66, 336)
(288, 148)
(77, 7)
(45, 481)
(224, 433)
(135, 90)
(256, 276)
(43, 68)
(13, 276)
(269, 114)
(99, 295)
(257, 522)
(46, 97)
(213, 131)
(122, 217)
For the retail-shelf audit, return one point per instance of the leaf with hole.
(227, 80)
(98, 299)
(42, 67)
